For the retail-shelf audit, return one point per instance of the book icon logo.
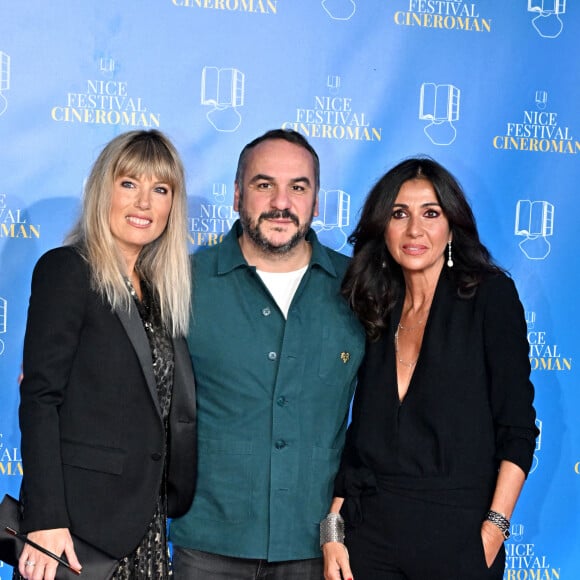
(547, 23)
(4, 80)
(439, 104)
(535, 223)
(223, 91)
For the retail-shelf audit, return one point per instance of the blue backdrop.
(489, 88)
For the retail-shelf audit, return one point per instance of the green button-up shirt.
(273, 398)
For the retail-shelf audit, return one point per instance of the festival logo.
(444, 15)
(333, 84)
(3, 321)
(547, 22)
(530, 319)
(523, 559)
(219, 192)
(538, 131)
(4, 80)
(531, 324)
(105, 101)
(333, 217)
(544, 354)
(13, 224)
(541, 100)
(10, 459)
(107, 66)
(213, 218)
(439, 104)
(332, 116)
(223, 91)
(339, 9)
(538, 448)
(535, 223)
(248, 6)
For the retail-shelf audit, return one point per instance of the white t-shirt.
(282, 286)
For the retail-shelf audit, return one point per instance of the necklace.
(419, 324)
(409, 365)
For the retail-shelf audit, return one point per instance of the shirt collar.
(230, 255)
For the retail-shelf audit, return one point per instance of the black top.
(468, 406)
(151, 558)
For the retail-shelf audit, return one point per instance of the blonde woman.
(107, 410)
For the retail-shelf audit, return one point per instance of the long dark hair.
(374, 281)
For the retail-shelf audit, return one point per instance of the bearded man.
(275, 351)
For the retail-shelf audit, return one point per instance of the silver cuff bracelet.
(332, 529)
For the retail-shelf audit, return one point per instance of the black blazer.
(93, 441)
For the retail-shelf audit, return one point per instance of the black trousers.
(402, 538)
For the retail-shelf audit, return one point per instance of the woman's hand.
(35, 565)
(336, 562)
(492, 539)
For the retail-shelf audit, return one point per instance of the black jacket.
(93, 441)
(468, 406)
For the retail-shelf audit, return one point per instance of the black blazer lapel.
(182, 468)
(183, 405)
(133, 326)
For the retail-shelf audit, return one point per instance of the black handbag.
(96, 564)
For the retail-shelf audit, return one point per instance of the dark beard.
(253, 230)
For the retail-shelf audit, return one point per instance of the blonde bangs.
(147, 158)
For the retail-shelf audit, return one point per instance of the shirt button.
(281, 401)
(280, 444)
(156, 456)
(266, 311)
(272, 356)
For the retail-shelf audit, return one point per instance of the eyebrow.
(138, 178)
(426, 204)
(265, 177)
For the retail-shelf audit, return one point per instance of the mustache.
(285, 214)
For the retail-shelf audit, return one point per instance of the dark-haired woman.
(443, 428)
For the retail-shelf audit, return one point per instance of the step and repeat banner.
(489, 88)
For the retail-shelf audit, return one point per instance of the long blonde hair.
(164, 263)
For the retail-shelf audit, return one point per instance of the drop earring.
(449, 258)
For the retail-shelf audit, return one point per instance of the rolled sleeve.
(507, 360)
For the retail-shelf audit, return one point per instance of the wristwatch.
(500, 521)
